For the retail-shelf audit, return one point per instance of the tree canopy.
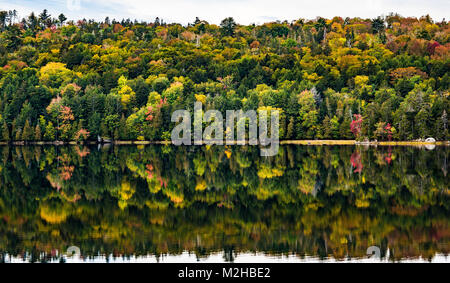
(321, 73)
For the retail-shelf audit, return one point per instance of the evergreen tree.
(420, 123)
(27, 134)
(5, 132)
(104, 130)
(326, 128)
(290, 129)
(37, 133)
(123, 130)
(18, 135)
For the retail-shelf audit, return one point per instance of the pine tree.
(444, 127)
(37, 133)
(5, 132)
(27, 134)
(290, 128)
(104, 130)
(123, 128)
(13, 128)
(420, 121)
(18, 135)
(326, 127)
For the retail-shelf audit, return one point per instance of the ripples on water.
(212, 204)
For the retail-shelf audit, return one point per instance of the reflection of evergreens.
(320, 201)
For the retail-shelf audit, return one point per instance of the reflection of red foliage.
(162, 182)
(82, 153)
(388, 158)
(149, 170)
(355, 159)
(66, 172)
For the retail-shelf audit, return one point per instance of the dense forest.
(307, 201)
(384, 78)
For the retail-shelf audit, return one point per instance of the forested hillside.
(384, 78)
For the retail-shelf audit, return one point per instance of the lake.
(166, 203)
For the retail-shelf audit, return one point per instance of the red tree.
(355, 159)
(388, 131)
(356, 124)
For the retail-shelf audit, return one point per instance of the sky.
(214, 11)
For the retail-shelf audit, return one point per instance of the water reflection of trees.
(320, 201)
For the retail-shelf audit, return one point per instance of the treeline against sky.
(384, 78)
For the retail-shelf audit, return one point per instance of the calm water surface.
(165, 203)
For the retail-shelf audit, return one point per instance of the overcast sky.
(243, 11)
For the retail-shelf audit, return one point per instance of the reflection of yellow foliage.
(264, 193)
(176, 199)
(154, 185)
(266, 172)
(158, 205)
(55, 233)
(53, 215)
(306, 185)
(159, 220)
(362, 202)
(313, 206)
(200, 166)
(175, 195)
(201, 185)
(126, 191)
(122, 204)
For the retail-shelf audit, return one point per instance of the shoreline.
(282, 142)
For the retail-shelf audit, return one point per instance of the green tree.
(37, 133)
(227, 26)
(62, 18)
(50, 132)
(290, 129)
(5, 132)
(123, 130)
(421, 120)
(326, 128)
(27, 134)
(18, 135)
